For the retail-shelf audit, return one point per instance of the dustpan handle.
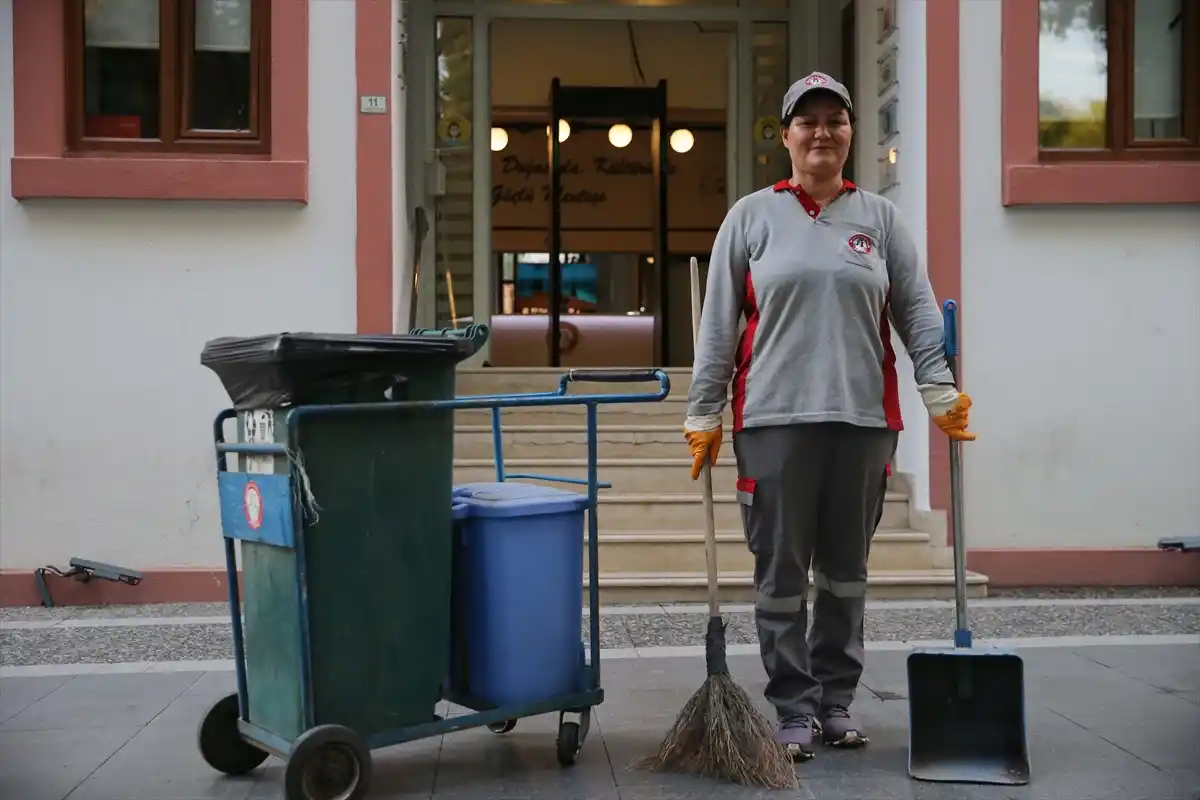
(962, 633)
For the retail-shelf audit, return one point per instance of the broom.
(719, 733)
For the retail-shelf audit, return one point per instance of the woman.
(818, 267)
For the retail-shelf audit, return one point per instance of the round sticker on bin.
(252, 504)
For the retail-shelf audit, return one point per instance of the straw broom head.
(720, 733)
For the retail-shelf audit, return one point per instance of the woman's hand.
(949, 409)
(703, 436)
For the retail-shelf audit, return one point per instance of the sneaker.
(796, 735)
(839, 729)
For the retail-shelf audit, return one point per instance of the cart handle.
(494, 402)
(614, 375)
(588, 376)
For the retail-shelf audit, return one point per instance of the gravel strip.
(37, 613)
(102, 645)
(22, 613)
(23, 647)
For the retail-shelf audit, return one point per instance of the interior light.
(499, 139)
(564, 130)
(891, 156)
(682, 140)
(620, 135)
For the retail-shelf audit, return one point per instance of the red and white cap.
(814, 82)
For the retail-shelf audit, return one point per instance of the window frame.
(1027, 179)
(1121, 144)
(176, 26)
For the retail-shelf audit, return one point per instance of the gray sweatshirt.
(817, 288)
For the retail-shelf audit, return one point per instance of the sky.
(1070, 67)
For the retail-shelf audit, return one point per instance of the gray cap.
(816, 81)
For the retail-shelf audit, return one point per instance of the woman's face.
(818, 138)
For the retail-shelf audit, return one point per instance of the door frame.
(421, 165)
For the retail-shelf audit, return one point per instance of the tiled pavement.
(1119, 721)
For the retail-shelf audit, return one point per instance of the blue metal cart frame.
(497, 719)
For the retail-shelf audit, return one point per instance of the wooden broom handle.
(710, 520)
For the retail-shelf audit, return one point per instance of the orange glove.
(704, 446)
(954, 422)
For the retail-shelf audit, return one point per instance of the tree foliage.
(1065, 128)
(1059, 16)
(455, 80)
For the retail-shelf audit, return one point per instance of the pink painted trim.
(161, 585)
(1004, 568)
(160, 179)
(1102, 184)
(1133, 566)
(41, 166)
(374, 28)
(943, 176)
(1027, 181)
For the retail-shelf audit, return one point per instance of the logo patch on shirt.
(815, 80)
(861, 243)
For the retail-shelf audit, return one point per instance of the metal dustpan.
(966, 703)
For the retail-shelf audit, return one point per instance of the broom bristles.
(720, 734)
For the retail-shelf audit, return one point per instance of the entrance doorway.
(624, 111)
(482, 171)
(642, 178)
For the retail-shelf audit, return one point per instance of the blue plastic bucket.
(458, 647)
(520, 586)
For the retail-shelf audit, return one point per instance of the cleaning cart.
(342, 506)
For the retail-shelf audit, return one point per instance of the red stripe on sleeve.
(891, 388)
(745, 353)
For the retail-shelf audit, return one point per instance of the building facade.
(1045, 154)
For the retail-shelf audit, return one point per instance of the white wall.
(912, 455)
(1081, 336)
(105, 411)
(910, 195)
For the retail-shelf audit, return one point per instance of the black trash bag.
(289, 369)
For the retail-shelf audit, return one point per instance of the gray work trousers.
(811, 494)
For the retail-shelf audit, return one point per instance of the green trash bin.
(368, 498)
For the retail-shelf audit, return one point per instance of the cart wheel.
(502, 727)
(221, 746)
(328, 762)
(568, 744)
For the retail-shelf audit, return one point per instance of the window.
(1119, 79)
(168, 75)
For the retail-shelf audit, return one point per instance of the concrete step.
(570, 441)
(671, 411)
(521, 380)
(652, 494)
(627, 475)
(685, 511)
(630, 552)
(617, 588)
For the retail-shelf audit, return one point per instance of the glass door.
(454, 174)
(447, 167)
(617, 108)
